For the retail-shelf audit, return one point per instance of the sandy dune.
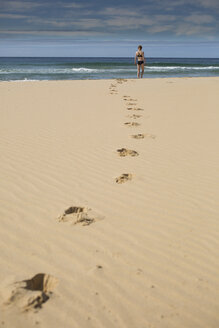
(106, 224)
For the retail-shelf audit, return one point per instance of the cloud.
(159, 28)
(117, 11)
(52, 33)
(148, 18)
(17, 6)
(165, 18)
(199, 19)
(12, 16)
(212, 4)
(173, 5)
(82, 24)
(189, 29)
(130, 23)
(72, 5)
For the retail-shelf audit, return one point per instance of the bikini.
(140, 62)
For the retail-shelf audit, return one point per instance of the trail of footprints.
(131, 105)
(113, 87)
(31, 294)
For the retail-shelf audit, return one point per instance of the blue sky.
(170, 28)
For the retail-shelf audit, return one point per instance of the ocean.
(72, 68)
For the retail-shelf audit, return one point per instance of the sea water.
(72, 68)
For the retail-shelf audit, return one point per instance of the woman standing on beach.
(139, 55)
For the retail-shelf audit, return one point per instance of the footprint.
(124, 178)
(32, 293)
(78, 215)
(134, 116)
(134, 108)
(126, 152)
(138, 136)
(126, 98)
(132, 124)
(143, 135)
(132, 104)
(130, 99)
(113, 89)
(120, 81)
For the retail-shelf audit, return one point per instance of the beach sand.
(117, 223)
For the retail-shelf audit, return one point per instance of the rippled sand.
(103, 223)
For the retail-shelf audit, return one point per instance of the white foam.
(182, 68)
(24, 80)
(86, 70)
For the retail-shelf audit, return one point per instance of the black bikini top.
(139, 55)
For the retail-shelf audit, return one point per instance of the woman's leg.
(138, 70)
(142, 70)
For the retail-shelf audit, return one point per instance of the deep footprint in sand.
(124, 178)
(143, 135)
(79, 215)
(132, 124)
(127, 152)
(32, 293)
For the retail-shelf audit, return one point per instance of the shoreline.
(115, 79)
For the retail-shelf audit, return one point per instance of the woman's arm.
(144, 60)
(135, 57)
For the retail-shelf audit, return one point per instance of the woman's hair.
(140, 47)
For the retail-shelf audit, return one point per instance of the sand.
(106, 223)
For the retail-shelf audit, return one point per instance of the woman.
(140, 58)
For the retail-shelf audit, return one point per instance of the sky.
(165, 28)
